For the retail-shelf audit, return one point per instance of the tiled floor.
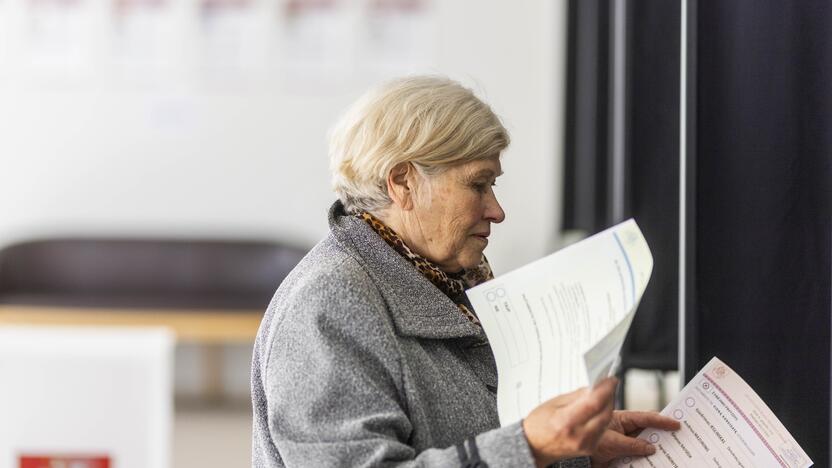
(207, 437)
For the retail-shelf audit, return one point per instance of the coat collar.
(417, 307)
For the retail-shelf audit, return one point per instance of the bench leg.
(212, 368)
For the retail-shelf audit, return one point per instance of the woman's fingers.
(632, 421)
(614, 445)
(596, 426)
(589, 417)
(592, 402)
(570, 425)
(567, 398)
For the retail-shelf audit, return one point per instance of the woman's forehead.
(489, 167)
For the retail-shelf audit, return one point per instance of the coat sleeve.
(334, 388)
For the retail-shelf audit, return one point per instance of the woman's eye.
(483, 186)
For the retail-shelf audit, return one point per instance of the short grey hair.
(429, 121)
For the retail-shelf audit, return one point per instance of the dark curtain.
(651, 152)
(653, 176)
(759, 151)
(585, 141)
(762, 204)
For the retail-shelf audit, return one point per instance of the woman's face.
(453, 214)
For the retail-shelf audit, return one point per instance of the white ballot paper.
(724, 423)
(557, 324)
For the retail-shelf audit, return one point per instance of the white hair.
(431, 122)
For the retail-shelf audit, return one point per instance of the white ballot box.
(85, 397)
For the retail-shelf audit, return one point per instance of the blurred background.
(163, 165)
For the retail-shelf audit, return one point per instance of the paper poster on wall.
(232, 39)
(317, 39)
(59, 36)
(398, 37)
(4, 35)
(141, 35)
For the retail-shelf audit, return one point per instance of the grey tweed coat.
(361, 361)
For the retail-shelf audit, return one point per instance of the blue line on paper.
(629, 267)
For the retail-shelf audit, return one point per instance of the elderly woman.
(370, 354)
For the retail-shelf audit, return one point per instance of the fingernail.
(650, 449)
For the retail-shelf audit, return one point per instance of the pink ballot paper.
(724, 424)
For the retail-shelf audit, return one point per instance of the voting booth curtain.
(622, 148)
(760, 155)
(747, 190)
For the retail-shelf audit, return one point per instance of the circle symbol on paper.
(626, 460)
(653, 438)
(501, 292)
(491, 296)
(690, 402)
(706, 385)
(679, 414)
(720, 371)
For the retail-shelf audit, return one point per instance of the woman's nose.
(493, 211)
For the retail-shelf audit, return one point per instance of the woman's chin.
(471, 259)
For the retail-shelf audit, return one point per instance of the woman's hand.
(618, 441)
(570, 425)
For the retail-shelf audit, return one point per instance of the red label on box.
(64, 461)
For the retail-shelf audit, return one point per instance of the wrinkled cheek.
(455, 251)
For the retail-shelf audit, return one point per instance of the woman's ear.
(400, 185)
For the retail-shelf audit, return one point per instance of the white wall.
(101, 155)
(111, 153)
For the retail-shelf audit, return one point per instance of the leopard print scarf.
(452, 285)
